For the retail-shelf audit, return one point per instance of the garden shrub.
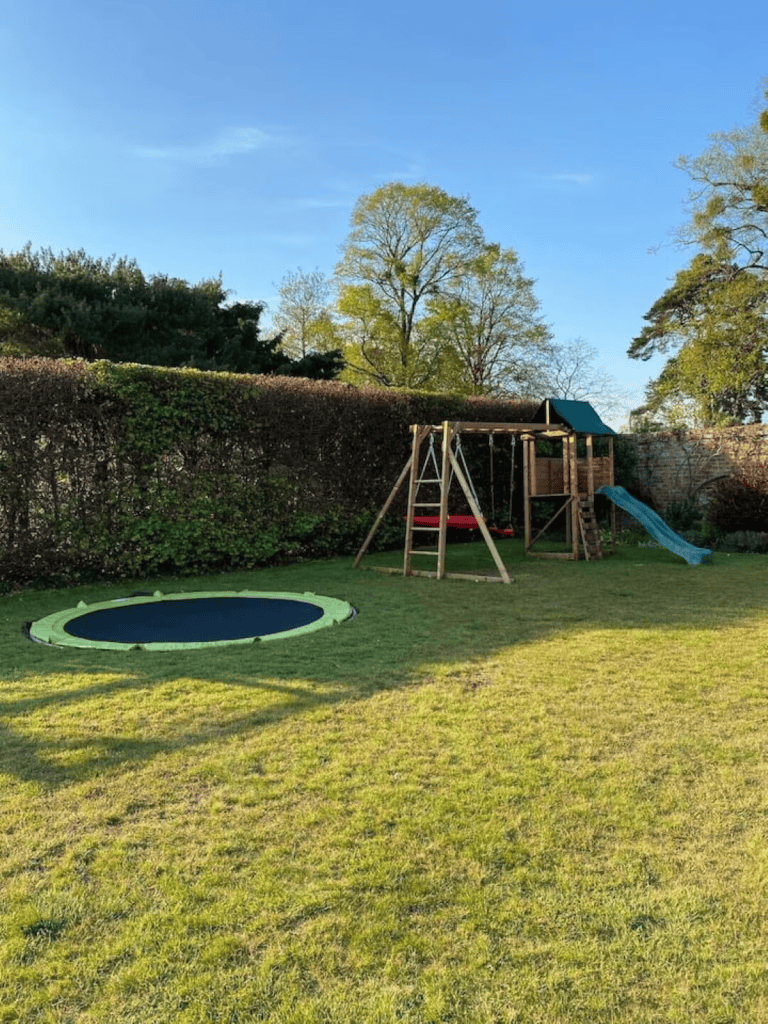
(748, 541)
(683, 516)
(340, 532)
(740, 502)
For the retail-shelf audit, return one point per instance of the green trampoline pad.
(178, 622)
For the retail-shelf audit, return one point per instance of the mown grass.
(472, 803)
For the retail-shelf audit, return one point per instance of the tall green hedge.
(120, 470)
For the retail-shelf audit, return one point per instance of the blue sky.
(201, 137)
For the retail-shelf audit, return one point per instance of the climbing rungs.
(427, 504)
(590, 532)
(424, 480)
(431, 529)
(419, 551)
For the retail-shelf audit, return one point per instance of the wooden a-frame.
(449, 465)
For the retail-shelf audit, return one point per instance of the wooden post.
(448, 431)
(611, 479)
(590, 467)
(527, 491)
(568, 487)
(611, 468)
(574, 465)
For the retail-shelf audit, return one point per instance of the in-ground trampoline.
(178, 622)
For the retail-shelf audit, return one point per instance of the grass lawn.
(472, 803)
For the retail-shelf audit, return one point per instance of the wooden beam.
(611, 477)
(563, 507)
(445, 483)
(480, 427)
(479, 517)
(384, 510)
(566, 556)
(479, 578)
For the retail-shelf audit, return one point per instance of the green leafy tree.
(408, 244)
(729, 200)
(78, 305)
(492, 321)
(20, 337)
(714, 317)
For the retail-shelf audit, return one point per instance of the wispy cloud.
(229, 142)
(569, 179)
(581, 180)
(410, 172)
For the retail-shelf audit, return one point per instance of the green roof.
(579, 416)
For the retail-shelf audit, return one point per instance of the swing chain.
(493, 496)
(430, 455)
(459, 452)
(511, 477)
(460, 455)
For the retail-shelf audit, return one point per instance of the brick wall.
(680, 465)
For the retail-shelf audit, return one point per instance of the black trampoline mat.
(201, 620)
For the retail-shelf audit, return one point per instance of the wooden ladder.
(413, 503)
(590, 534)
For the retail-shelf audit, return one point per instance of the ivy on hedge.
(129, 470)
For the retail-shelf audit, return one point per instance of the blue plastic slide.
(656, 526)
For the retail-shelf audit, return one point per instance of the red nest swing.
(462, 523)
(454, 521)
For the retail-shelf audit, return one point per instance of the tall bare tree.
(304, 313)
(572, 371)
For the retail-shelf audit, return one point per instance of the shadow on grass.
(406, 626)
(44, 761)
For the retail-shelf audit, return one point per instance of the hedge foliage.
(127, 470)
(740, 502)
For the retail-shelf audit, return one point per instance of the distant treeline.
(73, 305)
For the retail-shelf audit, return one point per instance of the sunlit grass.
(472, 803)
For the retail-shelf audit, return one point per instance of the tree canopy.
(491, 320)
(75, 305)
(729, 201)
(407, 245)
(426, 302)
(571, 371)
(714, 317)
(304, 315)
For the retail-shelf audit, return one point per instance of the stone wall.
(687, 464)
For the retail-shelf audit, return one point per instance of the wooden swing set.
(573, 480)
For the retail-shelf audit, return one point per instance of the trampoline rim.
(50, 629)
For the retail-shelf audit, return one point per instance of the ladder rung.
(417, 551)
(434, 529)
(427, 504)
(424, 480)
